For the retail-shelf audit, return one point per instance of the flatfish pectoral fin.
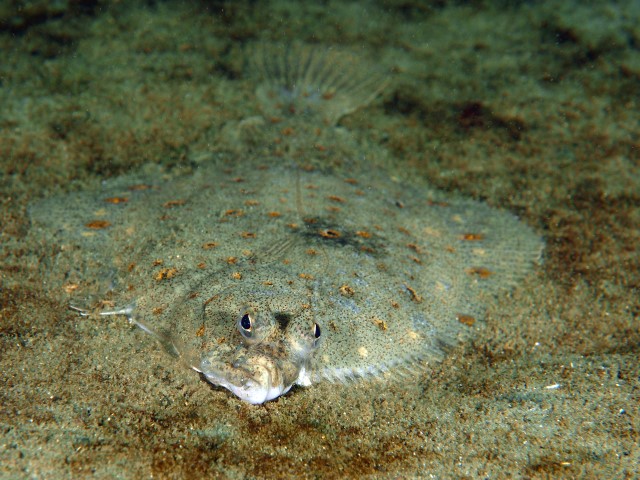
(169, 342)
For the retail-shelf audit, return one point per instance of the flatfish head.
(273, 340)
(249, 328)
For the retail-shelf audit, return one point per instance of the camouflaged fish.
(224, 271)
(262, 275)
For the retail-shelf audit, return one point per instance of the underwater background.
(530, 107)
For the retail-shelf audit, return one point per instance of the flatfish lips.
(264, 278)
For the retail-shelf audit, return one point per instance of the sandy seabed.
(531, 108)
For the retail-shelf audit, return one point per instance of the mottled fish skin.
(341, 278)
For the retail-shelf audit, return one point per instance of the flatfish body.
(266, 276)
(269, 266)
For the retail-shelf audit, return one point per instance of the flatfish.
(265, 276)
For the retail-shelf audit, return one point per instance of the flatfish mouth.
(371, 277)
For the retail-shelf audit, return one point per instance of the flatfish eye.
(245, 325)
(316, 334)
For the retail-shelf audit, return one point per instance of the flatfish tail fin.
(299, 79)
